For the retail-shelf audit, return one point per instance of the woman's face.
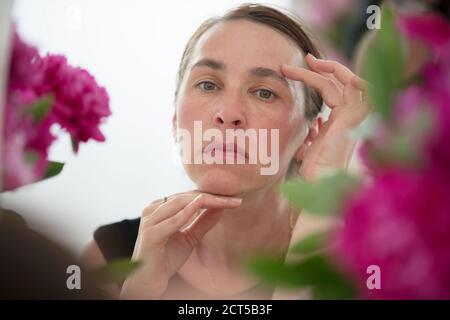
(234, 81)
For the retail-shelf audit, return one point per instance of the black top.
(116, 240)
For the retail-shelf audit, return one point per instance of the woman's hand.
(162, 247)
(345, 93)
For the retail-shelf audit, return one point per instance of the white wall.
(133, 48)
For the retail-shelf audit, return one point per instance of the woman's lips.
(231, 149)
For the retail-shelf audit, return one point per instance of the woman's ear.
(312, 133)
(174, 126)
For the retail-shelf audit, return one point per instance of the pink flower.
(22, 137)
(430, 28)
(80, 103)
(24, 70)
(400, 223)
(15, 169)
(400, 220)
(433, 30)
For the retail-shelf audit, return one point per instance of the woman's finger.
(313, 67)
(203, 201)
(157, 202)
(175, 204)
(331, 94)
(352, 95)
(332, 77)
(359, 83)
(147, 213)
(169, 208)
(341, 72)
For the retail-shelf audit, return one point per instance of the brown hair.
(285, 23)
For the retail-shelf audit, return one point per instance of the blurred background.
(133, 49)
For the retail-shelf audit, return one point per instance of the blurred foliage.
(314, 269)
(314, 272)
(115, 271)
(324, 197)
(385, 56)
(310, 244)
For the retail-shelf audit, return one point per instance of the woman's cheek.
(197, 103)
(189, 108)
(290, 125)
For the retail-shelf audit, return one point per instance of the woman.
(239, 71)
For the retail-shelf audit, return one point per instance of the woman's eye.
(207, 86)
(265, 94)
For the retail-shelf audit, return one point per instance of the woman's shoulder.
(116, 240)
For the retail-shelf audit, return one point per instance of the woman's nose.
(220, 121)
(230, 114)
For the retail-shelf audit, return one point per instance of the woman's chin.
(222, 180)
(222, 183)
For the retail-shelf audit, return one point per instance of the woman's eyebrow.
(256, 72)
(210, 63)
(270, 73)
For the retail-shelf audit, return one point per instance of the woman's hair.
(286, 23)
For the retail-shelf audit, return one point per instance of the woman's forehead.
(242, 43)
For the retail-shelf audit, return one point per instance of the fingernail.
(236, 200)
(309, 54)
(229, 200)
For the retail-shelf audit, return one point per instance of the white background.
(132, 48)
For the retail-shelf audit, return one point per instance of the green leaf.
(323, 197)
(310, 244)
(314, 272)
(40, 108)
(383, 64)
(334, 292)
(53, 168)
(115, 271)
(272, 271)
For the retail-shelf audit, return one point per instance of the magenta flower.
(430, 28)
(16, 172)
(400, 223)
(400, 220)
(80, 103)
(22, 137)
(24, 70)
